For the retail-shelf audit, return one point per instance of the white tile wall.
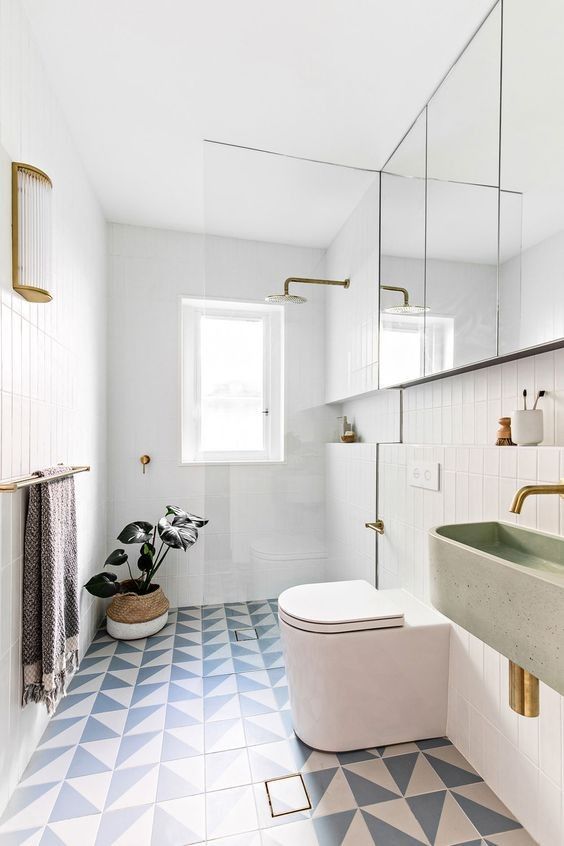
(149, 271)
(52, 364)
(351, 502)
(466, 409)
(454, 421)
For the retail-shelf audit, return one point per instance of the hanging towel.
(50, 618)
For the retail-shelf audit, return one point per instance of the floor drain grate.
(287, 795)
(246, 634)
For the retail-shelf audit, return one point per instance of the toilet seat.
(334, 607)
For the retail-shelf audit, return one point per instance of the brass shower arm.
(345, 283)
(398, 290)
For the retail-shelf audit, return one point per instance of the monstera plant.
(178, 529)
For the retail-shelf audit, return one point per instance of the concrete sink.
(505, 585)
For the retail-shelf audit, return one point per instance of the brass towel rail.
(11, 485)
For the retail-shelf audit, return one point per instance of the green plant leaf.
(145, 562)
(139, 532)
(193, 518)
(115, 558)
(179, 533)
(103, 585)
(148, 549)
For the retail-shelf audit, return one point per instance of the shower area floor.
(186, 738)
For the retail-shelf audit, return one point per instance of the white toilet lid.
(338, 607)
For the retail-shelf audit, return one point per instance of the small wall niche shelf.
(11, 485)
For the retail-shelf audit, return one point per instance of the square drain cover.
(246, 634)
(287, 795)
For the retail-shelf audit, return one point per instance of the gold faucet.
(528, 490)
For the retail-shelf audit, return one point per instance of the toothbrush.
(524, 399)
(540, 395)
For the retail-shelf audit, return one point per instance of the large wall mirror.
(472, 205)
(402, 260)
(532, 175)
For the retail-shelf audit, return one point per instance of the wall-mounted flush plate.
(423, 474)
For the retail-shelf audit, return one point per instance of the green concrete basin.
(505, 585)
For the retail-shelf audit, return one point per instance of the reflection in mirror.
(402, 260)
(462, 207)
(532, 175)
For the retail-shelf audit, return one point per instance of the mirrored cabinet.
(472, 205)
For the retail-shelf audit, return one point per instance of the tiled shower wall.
(150, 269)
(453, 421)
(52, 365)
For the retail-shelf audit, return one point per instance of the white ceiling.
(143, 82)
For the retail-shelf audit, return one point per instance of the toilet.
(365, 667)
(281, 560)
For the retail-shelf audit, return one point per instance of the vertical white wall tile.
(34, 391)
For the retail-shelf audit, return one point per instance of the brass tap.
(529, 490)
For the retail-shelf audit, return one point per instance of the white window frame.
(272, 318)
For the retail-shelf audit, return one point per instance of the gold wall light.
(31, 233)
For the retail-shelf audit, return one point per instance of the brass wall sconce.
(31, 233)
(145, 459)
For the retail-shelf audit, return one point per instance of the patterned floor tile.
(291, 834)
(227, 769)
(250, 838)
(179, 822)
(183, 777)
(230, 812)
(268, 728)
(221, 735)
(156, 733)
(126, 826)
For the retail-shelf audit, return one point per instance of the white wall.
(52, 362)
(149, 270)
(454, 421)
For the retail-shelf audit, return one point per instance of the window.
(232, 359)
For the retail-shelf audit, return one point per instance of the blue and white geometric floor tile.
(169, 741)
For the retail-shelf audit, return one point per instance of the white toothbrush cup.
(527, 427)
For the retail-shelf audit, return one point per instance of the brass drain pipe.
(523, 691)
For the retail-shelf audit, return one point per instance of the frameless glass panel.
(462, 207)
(402, 260)
(269, 218)
(532, 175)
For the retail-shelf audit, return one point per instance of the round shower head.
(285, 298)
(407, 309)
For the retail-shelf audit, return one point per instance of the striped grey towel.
(50, 618)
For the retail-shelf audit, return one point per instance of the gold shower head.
(286, 297)
(405, 307)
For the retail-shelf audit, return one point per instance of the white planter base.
(133, 631)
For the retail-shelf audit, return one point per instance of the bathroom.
(284, 325)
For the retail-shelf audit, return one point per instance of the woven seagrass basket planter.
(132, 615)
